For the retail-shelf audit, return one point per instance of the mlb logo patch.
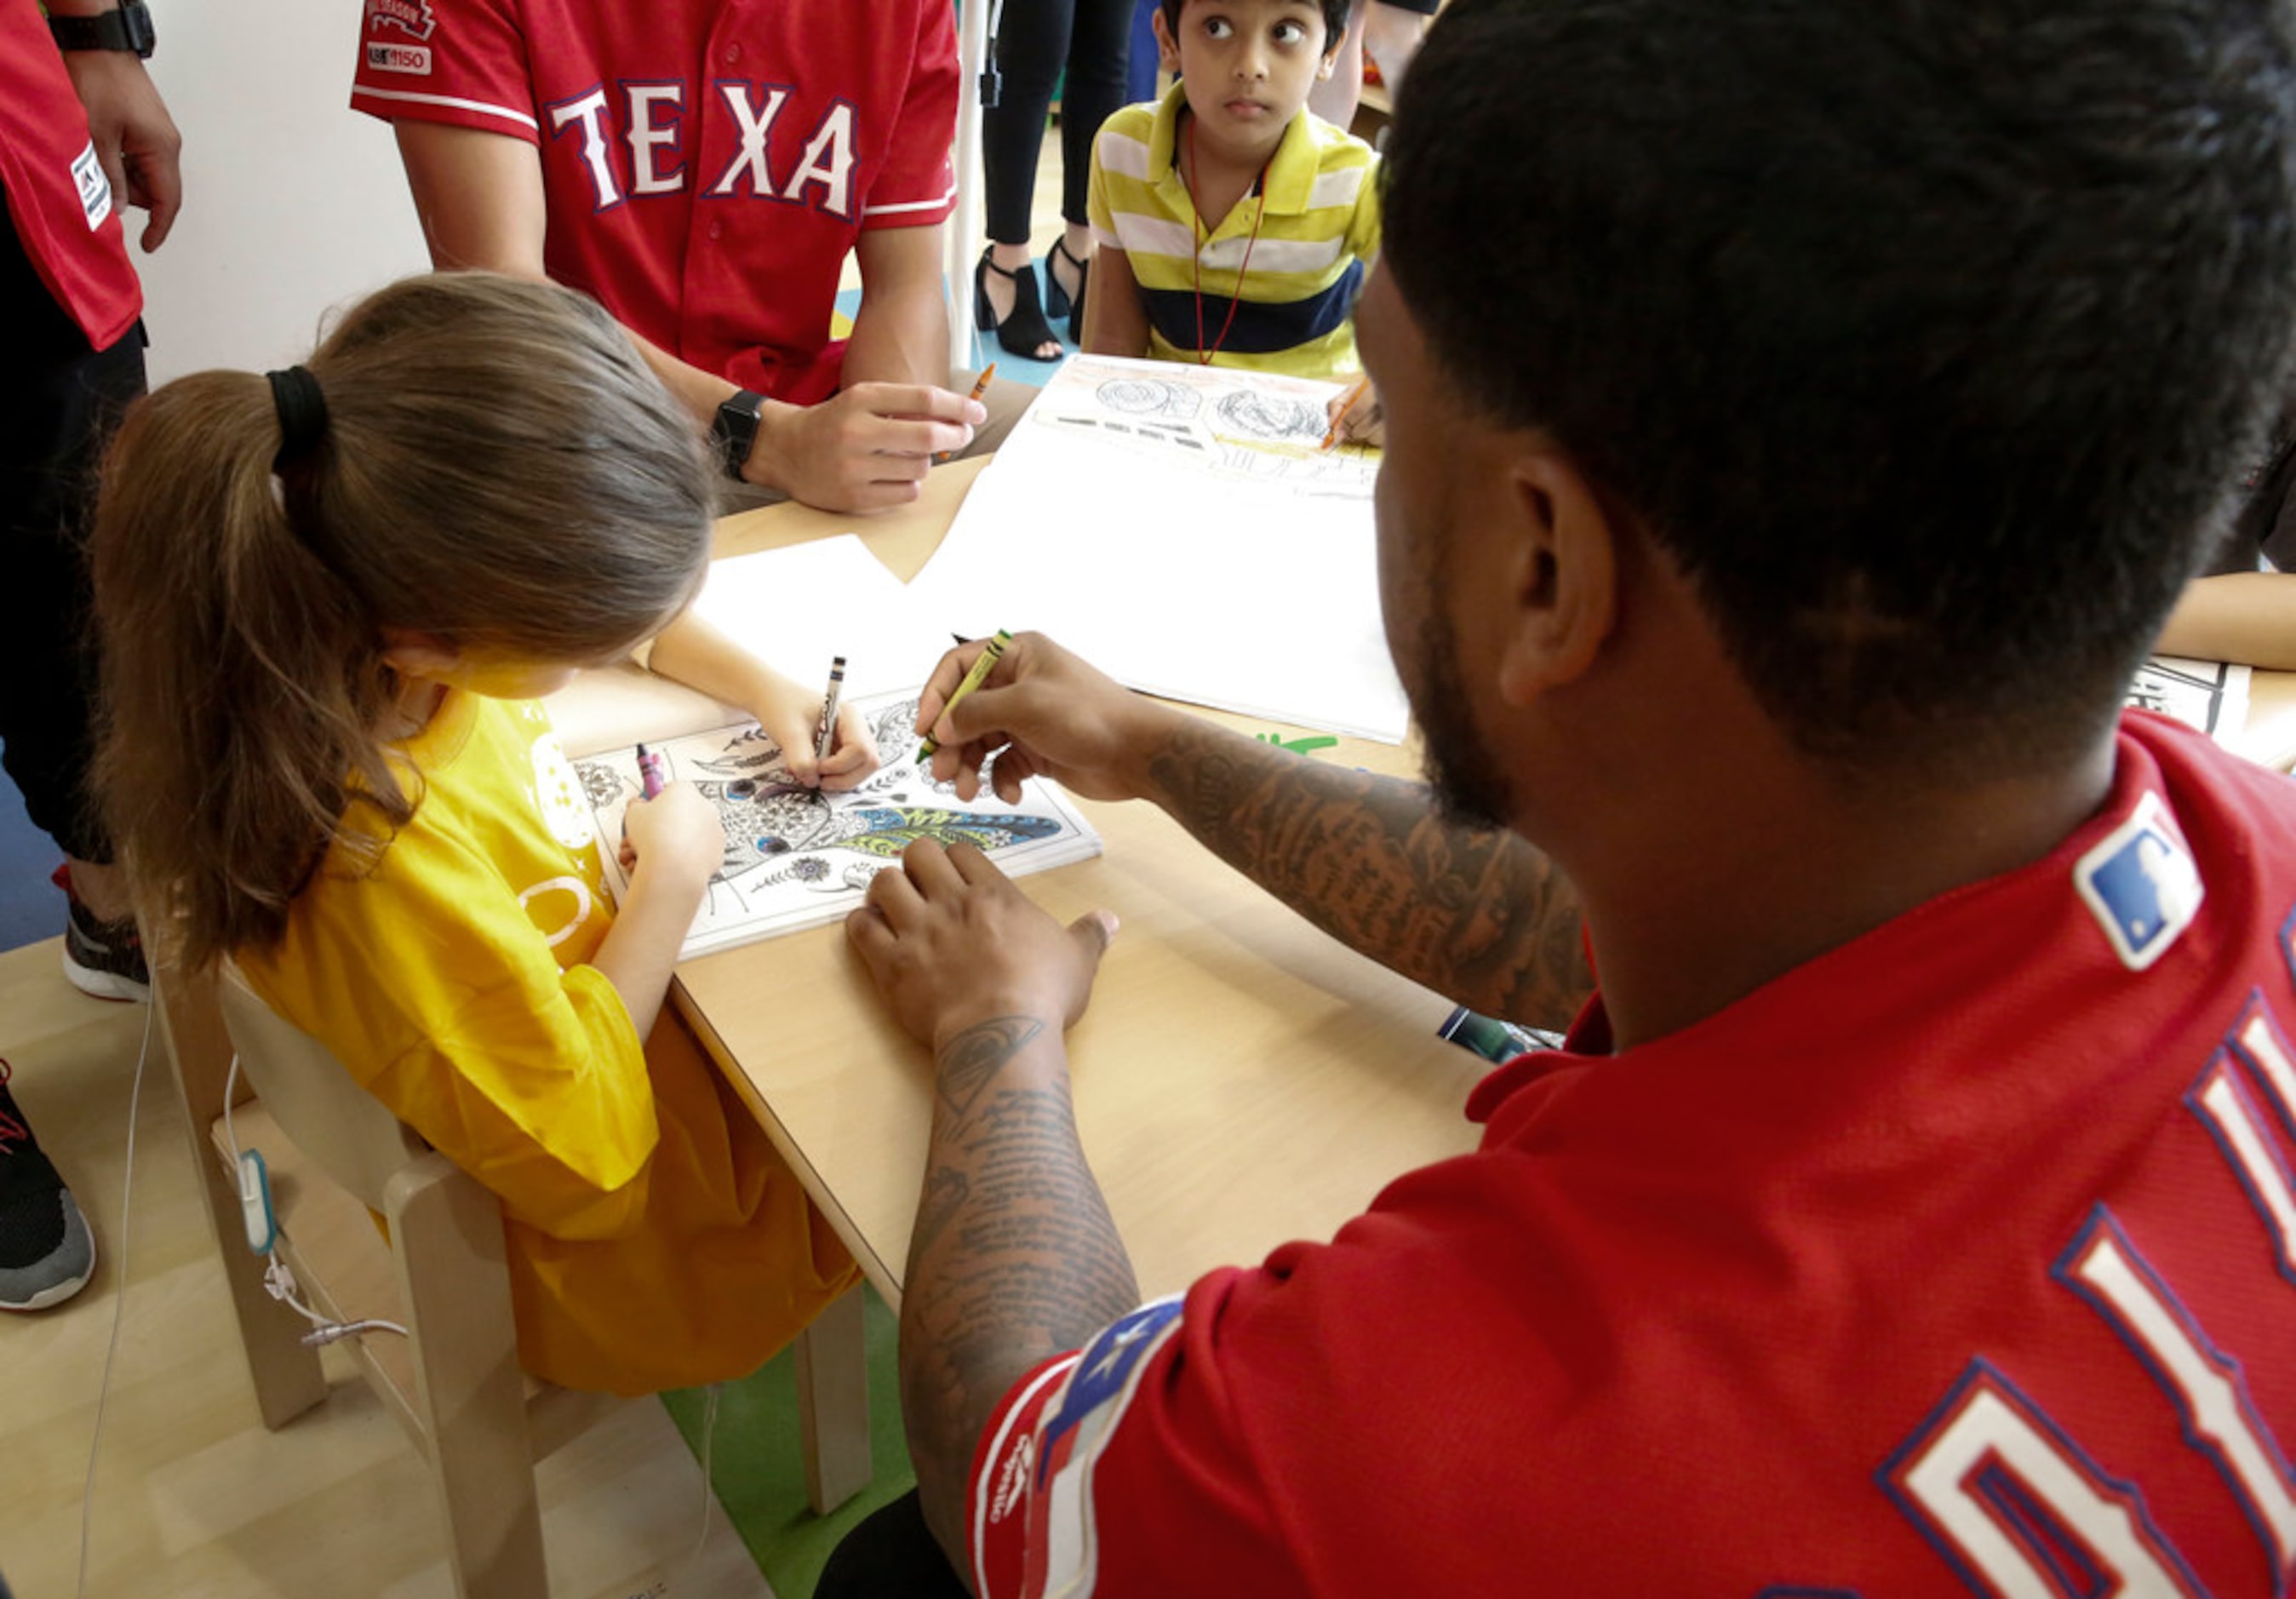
(2141, 884)
(399, 58)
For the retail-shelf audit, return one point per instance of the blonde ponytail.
(497, 470)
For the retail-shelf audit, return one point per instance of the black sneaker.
(102, 959)
(46, 1252)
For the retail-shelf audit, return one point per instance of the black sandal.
(1058, 301)
(1024, 329)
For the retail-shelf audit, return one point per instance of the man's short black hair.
(1930, 340)
(1336, 17)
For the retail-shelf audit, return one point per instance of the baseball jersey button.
(717, 228)
(733, 53)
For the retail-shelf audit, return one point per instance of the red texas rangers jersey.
(707, 163)
(59, 201)
(1960, 1259)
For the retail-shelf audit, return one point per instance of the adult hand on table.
(1042, 711)
(951, 943)
(134, 136)
(863, 448)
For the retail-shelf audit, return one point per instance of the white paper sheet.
(1181, 528)
(800, 607)
(2209, 695)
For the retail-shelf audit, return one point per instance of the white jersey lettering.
(650, 129)
(2206, 1387)
(747, 171)
(2011, 1502)
(588, 113)
(828, 163)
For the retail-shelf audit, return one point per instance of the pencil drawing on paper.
(794, 857)
(1253, 425)
(1150, 397)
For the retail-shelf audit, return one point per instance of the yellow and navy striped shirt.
(1318, 216)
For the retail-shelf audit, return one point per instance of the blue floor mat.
(30, 908)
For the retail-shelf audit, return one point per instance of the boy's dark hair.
(1930, 340)
(1336, 17)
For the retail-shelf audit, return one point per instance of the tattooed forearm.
(1479, 916)
(1015, 1256)
(969, 1060)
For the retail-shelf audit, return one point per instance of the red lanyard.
(1196, 258)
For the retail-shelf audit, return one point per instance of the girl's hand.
(673, 839)
(792, 717)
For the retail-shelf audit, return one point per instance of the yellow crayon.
(983, 664)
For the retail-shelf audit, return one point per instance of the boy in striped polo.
(1234, 225)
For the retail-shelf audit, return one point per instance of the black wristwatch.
(127, 29)
(736, 430)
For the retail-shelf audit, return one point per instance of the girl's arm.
(2246, 617)
(1115, 321)
(674, 843)
(695, 652)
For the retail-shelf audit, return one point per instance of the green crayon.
(984, 664)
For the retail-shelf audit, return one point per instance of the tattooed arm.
(1014, 1257)
(1479, 916)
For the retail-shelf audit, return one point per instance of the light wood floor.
(192, 1497)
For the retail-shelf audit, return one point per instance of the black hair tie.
(302, 414)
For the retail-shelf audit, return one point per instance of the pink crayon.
(653, 771)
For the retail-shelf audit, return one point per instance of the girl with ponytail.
(327, 599)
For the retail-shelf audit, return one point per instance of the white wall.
(292, 202)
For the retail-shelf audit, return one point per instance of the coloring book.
(796, 858)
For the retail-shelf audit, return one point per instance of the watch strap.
(127, 29)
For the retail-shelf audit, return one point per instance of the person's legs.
(1100, 46)
(890, 1554)
(56, 414)
(1032, 42)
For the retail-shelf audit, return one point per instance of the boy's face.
(1246, 66)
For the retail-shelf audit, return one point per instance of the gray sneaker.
(103, 960)
(46, 1252)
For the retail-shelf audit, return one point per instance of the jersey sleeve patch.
(1034, 1530)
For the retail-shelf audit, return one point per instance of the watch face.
(736, 430)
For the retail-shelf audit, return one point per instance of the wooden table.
(1241, 1079)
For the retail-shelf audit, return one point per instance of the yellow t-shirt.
(655, 1239)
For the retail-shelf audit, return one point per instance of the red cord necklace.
(1196, 258)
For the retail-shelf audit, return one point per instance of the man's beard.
(1469, 788)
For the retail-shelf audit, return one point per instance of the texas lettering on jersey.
(632, 142)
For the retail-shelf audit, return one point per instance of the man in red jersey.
(1799, 418)
(702, 169)
(83, 134)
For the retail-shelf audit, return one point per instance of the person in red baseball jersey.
(702, 169)
(83, 135)
(1800, 418)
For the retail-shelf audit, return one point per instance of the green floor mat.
(754, 1461)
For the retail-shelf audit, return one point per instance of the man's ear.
(413, 655)
(1564, 579)
(1168, 48)
(1332, 53)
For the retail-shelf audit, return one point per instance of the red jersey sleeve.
(1119, 1470)
(460, 62)
(917, 185)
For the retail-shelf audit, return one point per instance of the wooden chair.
(335, 1155)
